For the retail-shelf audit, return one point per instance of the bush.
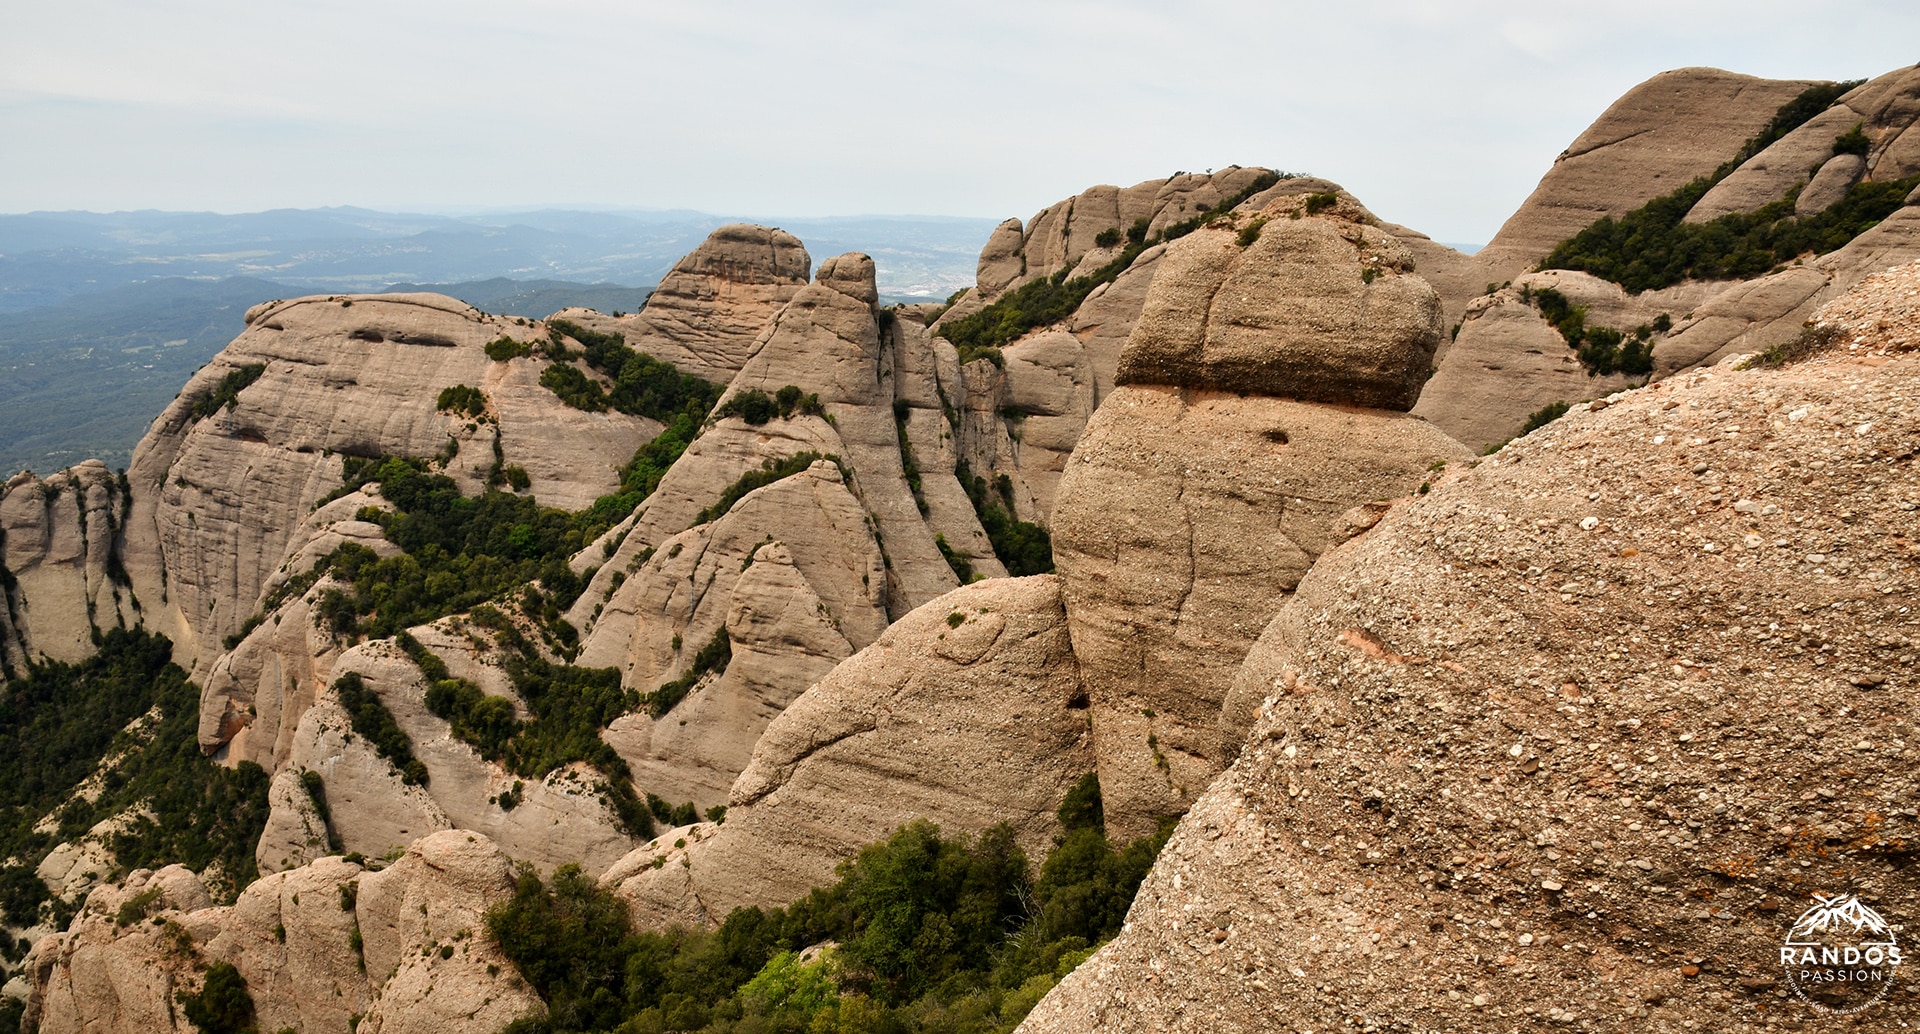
(1601, 350)
(1812, 341)
(503, 348)
(1023, 547)
(222, 1005)
(226, 394)
(372, 720)
(770, 471)
(574, 387)
(642, 385)
(756, 407)
(463, 399)
(713, 657)
(1853, 141)
(1543, 416)
(1108, 238)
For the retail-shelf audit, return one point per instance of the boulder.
(1319, 308)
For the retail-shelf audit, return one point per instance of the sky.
(1438, 115)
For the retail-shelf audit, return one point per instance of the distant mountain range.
(103, 316)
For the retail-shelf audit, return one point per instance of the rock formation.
(1664, 132)
(62, 574)
(968, 711)
(706, 313)
(399, 949)
(1571, 738)
(1188, 513)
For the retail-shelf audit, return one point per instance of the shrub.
(574, 387)
(1601, 350)
(642, 385)
(756, 407)
(222, 1005)
(1023, 547)
(713, 657)
(1812, 340)
(503, 348)
(1853, 141)
(1543, 416)
(1321, 200)
(463, 399)
(770, 471)
(372, 720)
(1108, 238)
(935, 933)
(226, 394)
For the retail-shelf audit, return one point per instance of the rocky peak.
(706, 313)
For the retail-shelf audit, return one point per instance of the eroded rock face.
(1317, 308)
(424, 961)
(1508, 362)
(62, 573)
(556, 819)
(1184, 520)
(968, 712)
(1885, 109)
(794, 579)
(220, 497)
(706, 313)
(1662, 133)
(1540, 713)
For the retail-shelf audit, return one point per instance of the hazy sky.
(1440, 115)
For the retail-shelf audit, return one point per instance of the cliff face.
(1561, 739)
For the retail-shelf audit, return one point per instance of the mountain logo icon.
(1840, 956)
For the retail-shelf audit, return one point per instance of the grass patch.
(1811, 341)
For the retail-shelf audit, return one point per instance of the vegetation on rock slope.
(60, 722)
(1653, 246)
(932, 933)
(1054, 298)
